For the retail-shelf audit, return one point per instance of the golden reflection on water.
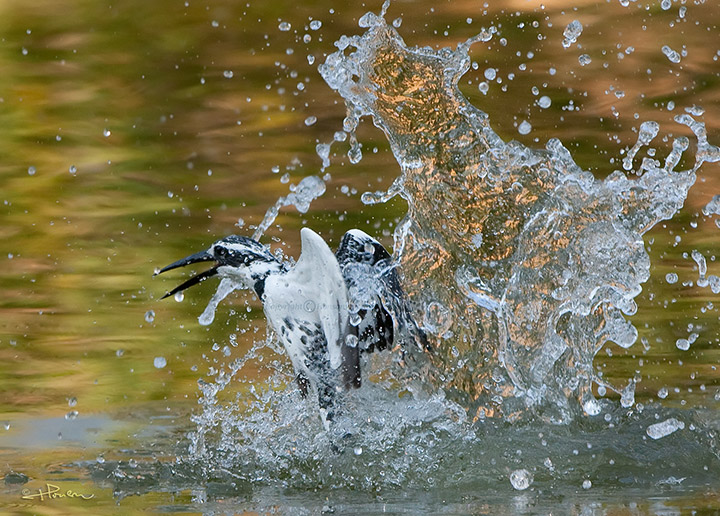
(167, 153)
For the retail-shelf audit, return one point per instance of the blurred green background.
(134, 133)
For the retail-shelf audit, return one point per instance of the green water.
(135, 134)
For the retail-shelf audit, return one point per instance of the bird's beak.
(202, 256)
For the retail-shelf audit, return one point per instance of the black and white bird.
(308, 304)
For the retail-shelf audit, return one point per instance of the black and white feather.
(383, 311)
(326, 310)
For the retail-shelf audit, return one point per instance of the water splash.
(712, 207)
(523, 266)
(648, 131)
(536, 260)
(300, 196)
(224, 289)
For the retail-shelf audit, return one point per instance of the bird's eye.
(220, 251)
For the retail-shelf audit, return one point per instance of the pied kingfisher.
(308, 308)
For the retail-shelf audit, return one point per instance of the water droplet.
(592, 407)
(521, 479)
(695, 110)
(544, 102)
(150, 316)
(179, 296)
(284, 26)
(671, 277)
(72, 415)
(627, 396)
(586, 484)
(315, 24)
(397, 22)
(228, 74)
(664, 428)
(524, 127)
(159, 362)
(358, 450)
(106, 133)
(351, 341)
(31, 171)
(584, 60)
(572, 33)
(702, 267)
(310, 120)
(682, 344)
(323, 150)
(671, 54)
(490, 74)
(663, 393)
(72, 401)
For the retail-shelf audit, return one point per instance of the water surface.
(135, 134)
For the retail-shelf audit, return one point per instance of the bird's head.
(239, 258)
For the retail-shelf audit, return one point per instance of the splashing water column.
(534, 261)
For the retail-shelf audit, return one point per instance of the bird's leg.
(351, 364)
(327, 398)
(303, 384)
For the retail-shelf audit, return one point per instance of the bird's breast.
(291, 310)
(283, 299)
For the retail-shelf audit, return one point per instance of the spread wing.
(374, 287)
(318, 268)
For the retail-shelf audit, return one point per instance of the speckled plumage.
(307, 305)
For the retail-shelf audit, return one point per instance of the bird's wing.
(318, 268)
(385, 308)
